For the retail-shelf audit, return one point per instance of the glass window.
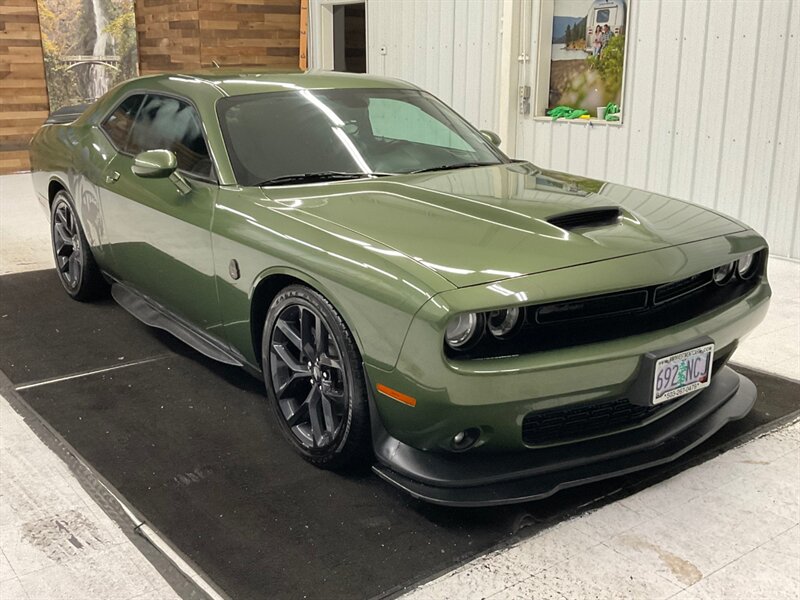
(277, 134)
(601, 16)
(118, 124)
(171, 124)
(398, 120)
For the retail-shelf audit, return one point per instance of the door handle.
(112, 177)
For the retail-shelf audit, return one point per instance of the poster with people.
(89, 46)
(587, 58)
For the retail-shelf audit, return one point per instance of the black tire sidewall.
(92, 284)
(342, 453)
(63, 197)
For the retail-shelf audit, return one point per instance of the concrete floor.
(56, 542)
(728, 528)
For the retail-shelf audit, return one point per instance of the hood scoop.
(586, 217)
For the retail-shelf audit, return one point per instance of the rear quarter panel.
(74, 157)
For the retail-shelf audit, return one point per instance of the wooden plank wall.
(173, 35)
(195, 33)
(250, 32)
(23, 95)
(168, 35)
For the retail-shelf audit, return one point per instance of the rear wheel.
(75, 264)
(314, 379)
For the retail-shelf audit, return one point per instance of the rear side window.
(118, 125)
(166, 123)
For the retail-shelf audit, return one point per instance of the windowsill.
(587, 122)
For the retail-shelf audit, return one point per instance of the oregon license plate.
(682, 373)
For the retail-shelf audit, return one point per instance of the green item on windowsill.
(612, 112)
(566, 112)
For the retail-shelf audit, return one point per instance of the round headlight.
(461, 330)
(503, 322)
(723, 274)
(746, 266)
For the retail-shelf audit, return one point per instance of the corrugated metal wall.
(448, 47)
(711, 107)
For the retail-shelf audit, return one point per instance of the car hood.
(478, 225)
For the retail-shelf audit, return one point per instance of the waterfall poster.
(89, 46)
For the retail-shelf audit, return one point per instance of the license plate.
(682, 373)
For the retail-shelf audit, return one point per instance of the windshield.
(366, 131)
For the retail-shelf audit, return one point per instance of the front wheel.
(314, 379)
(75, 265)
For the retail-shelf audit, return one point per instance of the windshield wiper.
(456, 166)
(321, 176)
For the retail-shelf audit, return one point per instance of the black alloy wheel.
(67, 245)
(314, 379)
(75, 263)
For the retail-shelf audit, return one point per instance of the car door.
(160, 234)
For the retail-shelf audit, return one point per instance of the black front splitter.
(494, 479)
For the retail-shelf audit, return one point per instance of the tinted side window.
(118, 124)
(171, 124)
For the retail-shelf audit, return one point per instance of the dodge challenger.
(477, 329)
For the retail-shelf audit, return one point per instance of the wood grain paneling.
(173, 36)
(250, 33)
(197, 33)
(23, 95)
(169, 35)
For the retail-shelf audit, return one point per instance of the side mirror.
(493, 138)
(154, 164)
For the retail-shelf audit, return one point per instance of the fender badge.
(233, 269)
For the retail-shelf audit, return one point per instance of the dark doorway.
(350, 38)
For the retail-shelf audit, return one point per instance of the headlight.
(723, 274)
(746, 266)
(503, 322)
(461, 330)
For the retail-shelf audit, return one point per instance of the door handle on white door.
(112, 177)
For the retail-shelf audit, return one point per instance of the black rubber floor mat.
(192, 445)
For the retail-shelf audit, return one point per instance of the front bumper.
(485, 479)
(496, 395)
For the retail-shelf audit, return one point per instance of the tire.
(315, 380)
(75, 264)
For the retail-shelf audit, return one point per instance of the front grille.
(561, 425)
(591, 307)
(593, 419)
(622, 302)
(617, 315)
(673, 291)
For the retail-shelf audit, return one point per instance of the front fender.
(376, 291)
(311, 281)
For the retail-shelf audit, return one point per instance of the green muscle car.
(479, 330)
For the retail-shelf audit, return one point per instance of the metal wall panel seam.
(648, 170)
(756, 56)
(776, 135)
(671, 153)
(628, 113)
(699, 112)
(715, 203)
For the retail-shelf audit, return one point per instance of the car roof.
(238, 81)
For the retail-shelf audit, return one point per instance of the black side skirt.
(154, 315)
